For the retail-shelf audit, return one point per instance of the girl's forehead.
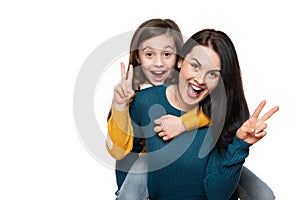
(159, 42)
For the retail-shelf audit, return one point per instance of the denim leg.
(134, 186)
(251, 187)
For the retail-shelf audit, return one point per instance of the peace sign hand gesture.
(123, 91)
(254, 128)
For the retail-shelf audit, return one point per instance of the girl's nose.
(158, 62)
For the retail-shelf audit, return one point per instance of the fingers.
(126, 75)
(259, 129)
(160, 124)
(164, 137)
(247, 129)
(261, 134)
(270, 113)
(123, 72)
(124, 88)
(120, 91)
(160, 120)
(259, 109)
(130, 73)
(159, 128)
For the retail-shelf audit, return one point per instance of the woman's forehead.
(204, 55)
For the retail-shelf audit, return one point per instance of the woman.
(204, 164)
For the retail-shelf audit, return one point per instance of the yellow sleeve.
(195, 119)
(120, 134)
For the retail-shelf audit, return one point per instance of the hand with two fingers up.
(123, 91)
(254, 128)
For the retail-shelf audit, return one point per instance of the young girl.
(154, 47)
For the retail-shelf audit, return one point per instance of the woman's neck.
(175, 99)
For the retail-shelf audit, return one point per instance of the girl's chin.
(156, 83)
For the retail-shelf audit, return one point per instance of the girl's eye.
(149, 54)
(167, 54)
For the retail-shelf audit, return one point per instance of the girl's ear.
(137, 59)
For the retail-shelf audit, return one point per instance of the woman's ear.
(179, 63)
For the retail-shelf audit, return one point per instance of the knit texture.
(175, 169)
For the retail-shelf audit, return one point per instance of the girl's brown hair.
(149, 29)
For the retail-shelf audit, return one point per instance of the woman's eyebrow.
(196, 61)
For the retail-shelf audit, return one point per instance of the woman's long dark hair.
(226, 105)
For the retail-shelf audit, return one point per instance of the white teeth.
(195, 87)
(158, 73)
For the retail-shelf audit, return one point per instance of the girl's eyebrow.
(166, 47)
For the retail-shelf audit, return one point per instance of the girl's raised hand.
(123, 91)
(254, 128)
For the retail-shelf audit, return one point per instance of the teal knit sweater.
(187, 167)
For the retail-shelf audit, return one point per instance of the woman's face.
(199, 74)
(157, 56)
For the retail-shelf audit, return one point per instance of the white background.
(43, 45)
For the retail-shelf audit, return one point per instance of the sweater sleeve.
(194, 119)
(223, 171)
(120, 134)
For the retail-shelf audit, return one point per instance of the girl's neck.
(145, 85)
(175, 99)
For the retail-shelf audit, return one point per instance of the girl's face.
(199, 74)
(157, 56)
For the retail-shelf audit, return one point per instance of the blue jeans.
(250, 187)
(134, 186)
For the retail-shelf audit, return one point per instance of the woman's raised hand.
(254, 128)
(123, 91)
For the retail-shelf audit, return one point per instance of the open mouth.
(194, 91)
(158, 75)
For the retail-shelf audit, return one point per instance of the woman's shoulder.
(149, 96)
(154, 90)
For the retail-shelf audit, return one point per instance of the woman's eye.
(194, 65)
(214, 74)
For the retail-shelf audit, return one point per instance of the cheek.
(145, 69)
(212, 86)
(145, 62)
(170, 63)
(186, 74)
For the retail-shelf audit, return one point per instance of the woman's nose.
(199, 78)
